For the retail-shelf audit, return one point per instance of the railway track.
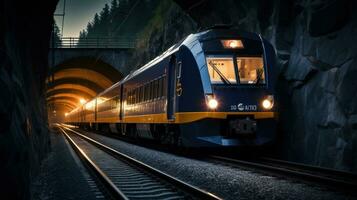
(323, 176)
(124, 177)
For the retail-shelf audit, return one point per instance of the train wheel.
(105, 128)
(171, 136)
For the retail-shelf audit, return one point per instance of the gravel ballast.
(224, 181)
(62, 175)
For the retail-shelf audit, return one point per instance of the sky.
(77, 14)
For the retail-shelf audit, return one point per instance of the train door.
(171, 84)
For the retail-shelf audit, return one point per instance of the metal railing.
(97, 42)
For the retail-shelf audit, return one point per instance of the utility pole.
(51, 79)
(62, 15)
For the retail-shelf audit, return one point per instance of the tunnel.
(75, 81)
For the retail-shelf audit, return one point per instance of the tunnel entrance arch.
(75, 81)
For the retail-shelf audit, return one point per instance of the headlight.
(232, 44)
(268, 102)
(212, 103)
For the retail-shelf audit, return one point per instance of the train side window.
(157, 88)
(160, 87)
(140, 89)
(164, 86)
(142, 93)
(131, 97)
(128, 97)
(115, 102)
(178, 71)
(150, 91)
(154, 89)
(145, 92)
(136, 95)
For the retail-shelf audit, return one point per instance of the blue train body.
(215, 88)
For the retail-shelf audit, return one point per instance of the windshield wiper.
(223, 78)
(259, 76)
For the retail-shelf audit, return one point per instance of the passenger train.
(213, 89)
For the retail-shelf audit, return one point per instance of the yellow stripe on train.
(185, 117)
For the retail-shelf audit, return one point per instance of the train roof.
(190, 41)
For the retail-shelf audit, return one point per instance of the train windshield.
(221, 70)
(251, 70)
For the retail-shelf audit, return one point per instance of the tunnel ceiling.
(76, 79)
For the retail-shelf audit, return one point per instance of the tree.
(113, 6)
(56, 36)
(89, 28)
(104, 14)
(96, 20)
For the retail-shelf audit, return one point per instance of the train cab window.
(251, 70)
(221, 70)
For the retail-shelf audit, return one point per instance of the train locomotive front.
(224, 89)
(213, 89)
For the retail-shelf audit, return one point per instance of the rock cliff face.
(25, 30)
(168, 26)
(317, 67)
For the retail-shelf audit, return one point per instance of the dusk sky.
(78, 14)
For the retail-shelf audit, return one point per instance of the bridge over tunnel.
(75, 81)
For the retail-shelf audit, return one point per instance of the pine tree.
(113, 6)
(104, 21)
(89, 29)
(56, 36)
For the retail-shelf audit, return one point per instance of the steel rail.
(190, 189)
(296, 171)
(114, 191)
(321, 170)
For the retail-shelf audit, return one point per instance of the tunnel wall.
(25, 28)
(317, 87)
(317, 66)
